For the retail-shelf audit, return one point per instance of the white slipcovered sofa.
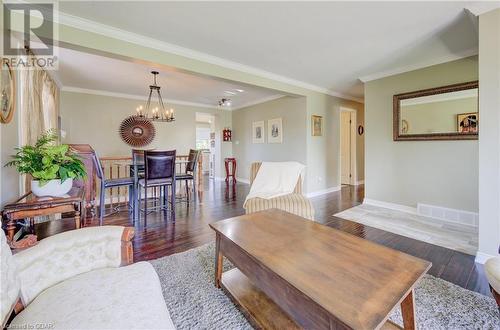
(73, 280)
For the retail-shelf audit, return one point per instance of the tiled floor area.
(458, 237)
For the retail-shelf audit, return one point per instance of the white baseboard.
(451, 215)
(437, 212)
(392, 206)
(360, 182)
(243, 180)
(482, 257)
(322, 192)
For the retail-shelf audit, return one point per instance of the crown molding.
(116, 33)
(259, 101)
(392, 72)
(132, 96)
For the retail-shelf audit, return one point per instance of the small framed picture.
(258, 132)
(316, 125)
(468, 122)
(275, 130)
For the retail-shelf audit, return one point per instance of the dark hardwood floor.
(160, 238)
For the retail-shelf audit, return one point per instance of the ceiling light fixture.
(225, 102)
(157, 114)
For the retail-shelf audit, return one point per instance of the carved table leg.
(77, 216)
(11, 228)
(408, 311)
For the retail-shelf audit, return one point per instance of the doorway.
(348, 146)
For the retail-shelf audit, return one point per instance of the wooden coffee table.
(292, 272)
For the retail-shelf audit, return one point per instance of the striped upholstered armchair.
(295, 202)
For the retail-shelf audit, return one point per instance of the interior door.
(345, 147)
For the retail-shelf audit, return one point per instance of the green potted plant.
(53, 167)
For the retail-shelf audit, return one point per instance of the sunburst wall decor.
(137, 131)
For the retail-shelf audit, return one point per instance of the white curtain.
(39, 107)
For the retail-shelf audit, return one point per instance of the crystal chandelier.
(155, 114)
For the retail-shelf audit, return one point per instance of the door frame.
(354, 173)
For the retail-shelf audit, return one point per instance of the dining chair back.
(192, 160)
(111, 183)
(159, 171)
(159, 164)
(98, 166)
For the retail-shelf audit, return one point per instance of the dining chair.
(159, 171)
(190, 173)
(111, 183)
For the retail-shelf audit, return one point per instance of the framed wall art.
(258, 132)
(275, 130)
(316, 125)
(7, 93)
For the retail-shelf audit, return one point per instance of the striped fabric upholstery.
(294, 203)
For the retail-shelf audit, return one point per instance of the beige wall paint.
(489, 133)
(443, 173)
(323, 152)
(95, 119)
(292, 110)
(9, 139)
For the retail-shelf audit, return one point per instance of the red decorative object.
(226, 134)
(230, 164)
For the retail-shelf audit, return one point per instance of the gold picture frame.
(7, 93)
(316, 125)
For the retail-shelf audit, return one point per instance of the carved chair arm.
(68, 254)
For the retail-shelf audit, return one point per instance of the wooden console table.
(29, 206)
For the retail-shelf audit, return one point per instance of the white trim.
(360, 182)
(449, 215)
(481, 257)
(322, 192)
(242, 180)
(134, 38)
(131, 96)
(392, 72)
(392, 206)
(259, 101)
(479, 8)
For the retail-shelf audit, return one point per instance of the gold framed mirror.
(7, 93)
(443, 113)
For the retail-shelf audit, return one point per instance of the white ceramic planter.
(53, 188)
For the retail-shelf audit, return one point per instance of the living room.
(270, 98)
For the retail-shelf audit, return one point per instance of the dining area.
(145, 182)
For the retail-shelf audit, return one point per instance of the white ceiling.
(84, 72)
(325, 44)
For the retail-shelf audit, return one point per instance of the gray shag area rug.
(187, 281)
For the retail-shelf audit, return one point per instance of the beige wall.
(292, 110)
(323, 152)
(95, 119)
(9, 139)
(443, 173)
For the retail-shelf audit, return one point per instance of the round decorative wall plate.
(7, 93)
(137, 131)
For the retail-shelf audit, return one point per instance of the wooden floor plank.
(191, 229)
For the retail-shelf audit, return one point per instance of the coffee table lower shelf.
(260, 310)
